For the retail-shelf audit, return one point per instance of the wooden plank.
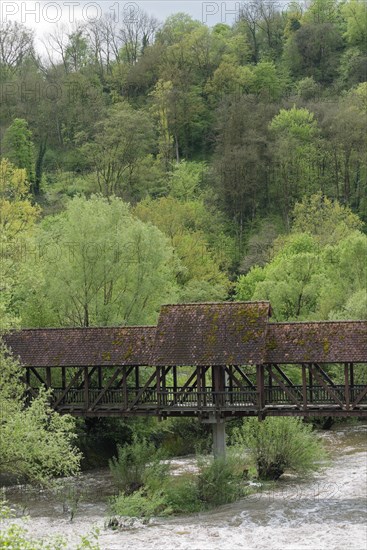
(142, 390)
(360, 397)
(124, 387)
(175, 379)
(69, 386)
(48, 377)
(159, 374)
(128, 372)
(91, 372)
(106, 388)
(310, 383)
(287, 379)
(198, 385)
(245, 377)
(37, 375)
(351, 368)
(304, 387)
(325, 375)
(245, 389)
(260, 379)
(184, 387)
(346, 386)
(286, 389)
(328, 389)
(86, 387)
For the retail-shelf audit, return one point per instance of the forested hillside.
(147, 161)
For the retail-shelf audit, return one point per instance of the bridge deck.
(188, 401)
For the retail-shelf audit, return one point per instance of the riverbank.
(326, 511)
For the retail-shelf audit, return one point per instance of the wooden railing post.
(346, 386)
(304, 387)
(260, 382)
(86, 388)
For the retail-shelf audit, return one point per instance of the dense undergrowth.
(259, 450)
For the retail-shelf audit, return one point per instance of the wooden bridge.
(215, 361)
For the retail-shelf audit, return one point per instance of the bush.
(277, 444)
(220, 482)
(140, 504)
(136, 465)
(16, 537)
(182, 494)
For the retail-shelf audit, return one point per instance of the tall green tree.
(120, 142)
(101, 266)
(18, 147)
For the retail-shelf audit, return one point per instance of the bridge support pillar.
(219, 438)
(219, 435)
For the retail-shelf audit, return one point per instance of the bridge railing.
(170, 397)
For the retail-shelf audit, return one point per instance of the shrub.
(220, 482)
(140, 504)
(182, 494)
(277, 444)
(136, 465)
(16, 537)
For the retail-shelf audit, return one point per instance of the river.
(326, 512)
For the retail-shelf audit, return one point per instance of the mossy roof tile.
(317, 342)
(109, 346)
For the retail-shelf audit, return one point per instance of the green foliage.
(197, 235)
(181, 495)
(18, 147)
(140, 504)
(185, 180)
(219, 481)
(280, 444)
(329, 221)
(355, 14)
(137, 465)
(314, 274)
(107, 267)
(120, 143)
(17, 537)
(36, 442)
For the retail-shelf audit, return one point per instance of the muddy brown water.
(325, 512)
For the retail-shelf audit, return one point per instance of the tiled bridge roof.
(76, 347)
(228, 333)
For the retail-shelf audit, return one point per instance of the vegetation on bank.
(260, 450)
(16, 536)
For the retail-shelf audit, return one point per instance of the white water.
(326, 512)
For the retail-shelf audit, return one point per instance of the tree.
(107, 267)
(355, 14)
(120, 142)
(327, 220)
(241, 165)
(17, 220)
(314, 50)
(18, 147)
(185, 180)
(279, 444)
(314, 274)
(16, 44)
(198, 238)
(77, 54)
(36, 443)
(296, 153)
